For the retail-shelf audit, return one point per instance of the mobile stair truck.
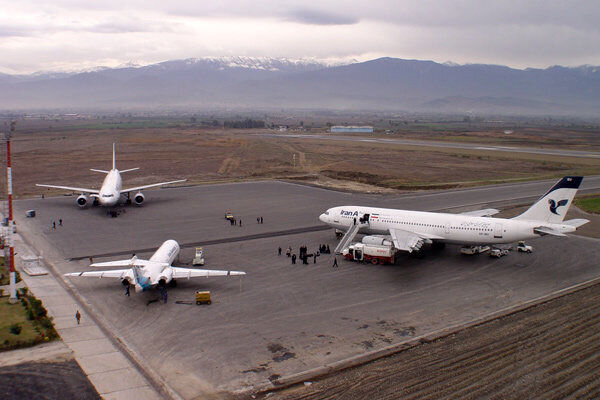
(373, 249)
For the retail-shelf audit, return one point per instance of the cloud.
(14, 31)
(69, 33)
(316, 17)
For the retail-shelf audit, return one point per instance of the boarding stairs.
(347, 238)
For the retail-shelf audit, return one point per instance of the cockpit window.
(107, 195)
(326, 213)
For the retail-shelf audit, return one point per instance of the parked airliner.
(409, 230)
(157, 271)
(111, 190)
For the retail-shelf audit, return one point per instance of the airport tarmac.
(283, 319)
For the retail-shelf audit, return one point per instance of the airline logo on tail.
(554, 205)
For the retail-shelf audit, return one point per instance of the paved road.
(449, 145)
(283, 319)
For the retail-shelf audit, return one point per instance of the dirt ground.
(202, 155)
(549, 351)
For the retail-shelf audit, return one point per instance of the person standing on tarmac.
(78, 316)
(293, 259)
(335, 264)
(279, 251)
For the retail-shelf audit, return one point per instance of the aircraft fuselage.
(442, 227)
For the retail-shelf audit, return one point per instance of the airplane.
(111, 190)
(155, 272)
(410, 230)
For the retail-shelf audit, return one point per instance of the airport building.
(340, 128)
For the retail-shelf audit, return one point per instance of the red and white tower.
(10, 225)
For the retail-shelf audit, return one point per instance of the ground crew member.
(60, 222)
(261, 220)
(315, 259)
(288, 251)
(240, 223)
(335, 265)
(53, 225)
(78, 317)
(127, 290)
(293, 259)
(279, 251)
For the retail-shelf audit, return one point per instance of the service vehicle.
(199, 256)
(525, 248)
(370, 252)
(203, 297)
(470, 250)
(498, 253)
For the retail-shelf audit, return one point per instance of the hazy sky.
(78, 34)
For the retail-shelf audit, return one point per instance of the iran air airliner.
(410, 230)
(157, 271)
(111, 190)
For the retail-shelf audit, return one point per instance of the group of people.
(234, 221)
(303, 254)
(59, 223)
(324, 249)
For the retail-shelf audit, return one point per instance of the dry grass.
(216, 155)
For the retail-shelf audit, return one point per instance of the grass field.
(4, 274)
(589, 203)
(11, 314)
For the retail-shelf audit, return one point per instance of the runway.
(448, 145)
(282, 319)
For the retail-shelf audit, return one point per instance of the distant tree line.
(244, 123)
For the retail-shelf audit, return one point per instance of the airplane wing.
(407, 241)
(114, 273)
(196, 273)
(74, 189)
(488, 212)
(134, 261)
(133, 189)
(545, 230)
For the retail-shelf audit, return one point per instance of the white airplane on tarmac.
(157, 271)
(409, 230)
(111, 190)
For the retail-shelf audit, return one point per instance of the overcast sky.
(78, 34)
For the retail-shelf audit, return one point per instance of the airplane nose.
(323, 218)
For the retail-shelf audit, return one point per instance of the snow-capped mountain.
(262, 82)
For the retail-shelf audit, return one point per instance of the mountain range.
(387, 84)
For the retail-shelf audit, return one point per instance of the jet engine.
(82, 200)
(139, 198)
(377, 239)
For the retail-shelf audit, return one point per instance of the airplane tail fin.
(553, 206)
(114, 159)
